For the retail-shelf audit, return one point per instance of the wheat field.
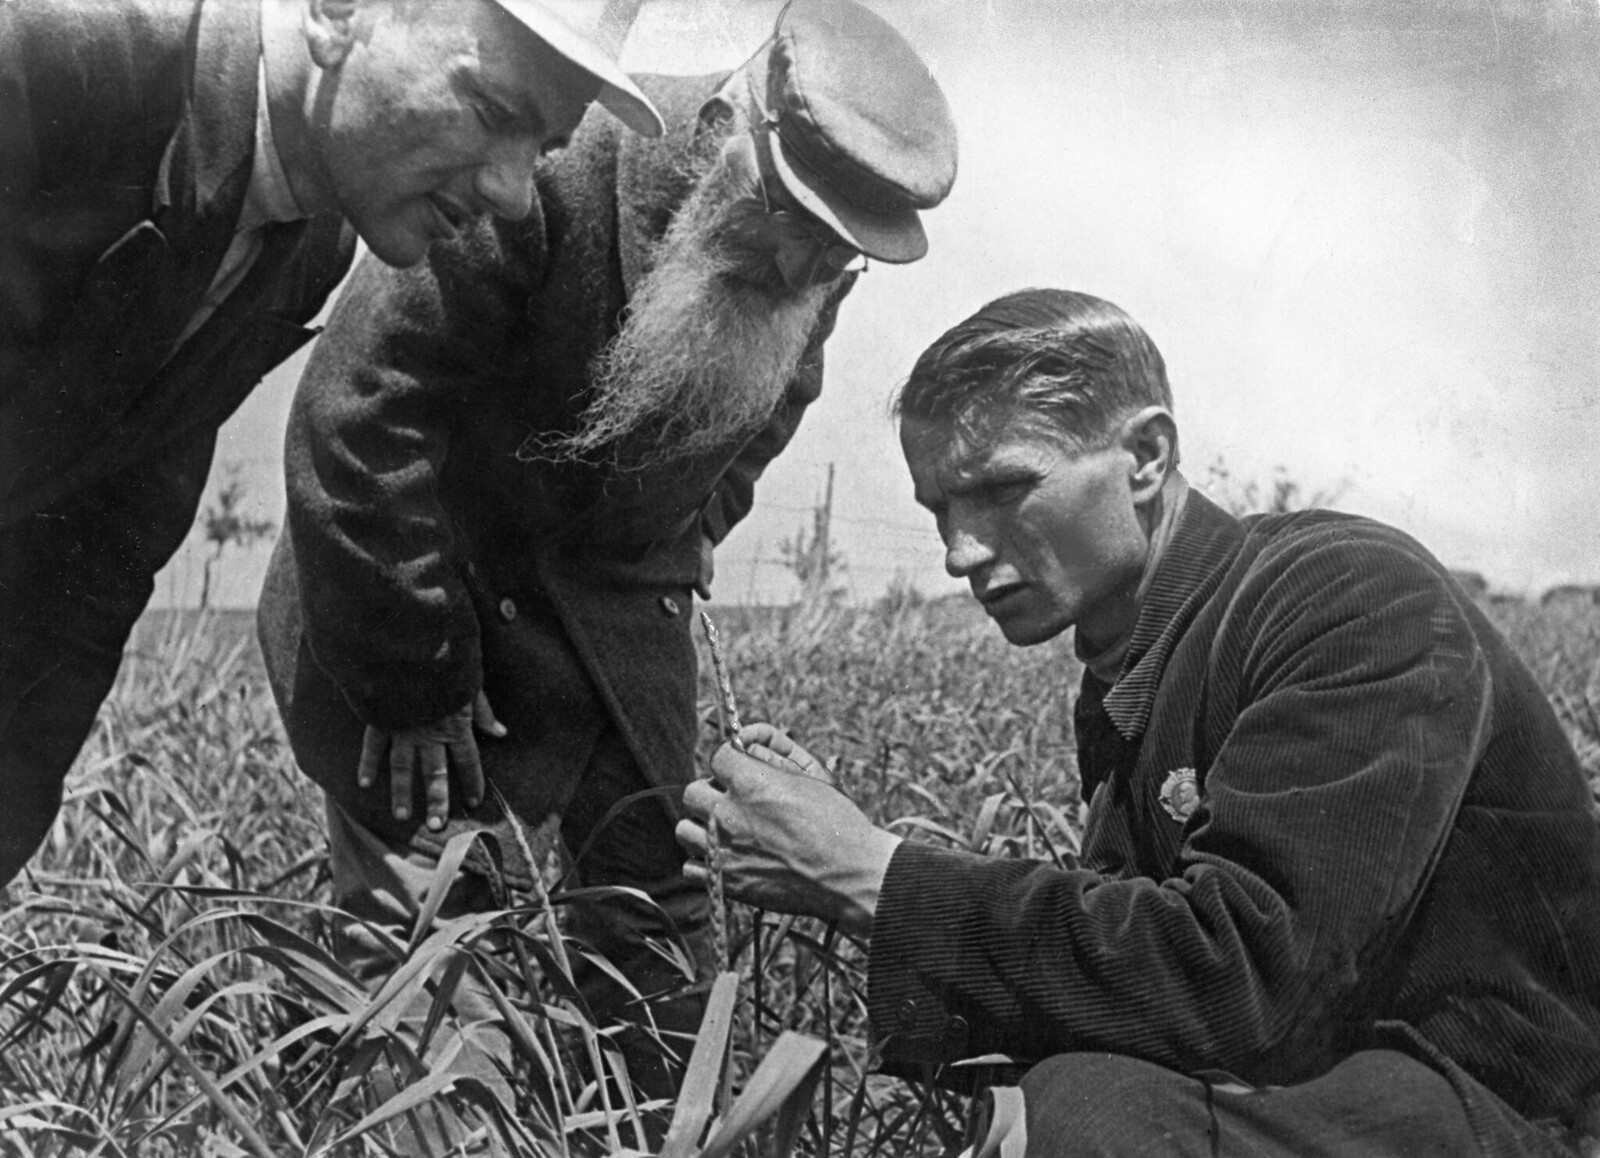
(168, 989)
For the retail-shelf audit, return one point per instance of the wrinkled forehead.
(946, 454)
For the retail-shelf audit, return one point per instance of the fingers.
(483, 718)
(691, 837)
(373, 745)
(708, 569)
(764, 733)
(470, 769)
(769, 757)
(465, 753)
(402, 766)
(793, 757)
(699, 798)
(436, 784)
(728, 764)
(797, 761)
(440, 746)
(698, 872)
(768, 745)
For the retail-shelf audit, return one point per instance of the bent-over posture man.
(508, 466)
(181, 186)
(1340, 884)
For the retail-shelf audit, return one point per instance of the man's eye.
(494, 117)
(1004, 494)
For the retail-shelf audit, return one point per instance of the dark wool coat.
(425, 559)
(127, 131)
(1393, 844)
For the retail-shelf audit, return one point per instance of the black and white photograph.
(980, 578)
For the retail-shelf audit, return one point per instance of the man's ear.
(1151, 438)
(717, 108)
(330, 30)
(720, 106)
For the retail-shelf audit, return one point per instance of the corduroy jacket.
(1388, 841)
(428, 555)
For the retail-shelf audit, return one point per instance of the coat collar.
(206, 170)
(1206, 542)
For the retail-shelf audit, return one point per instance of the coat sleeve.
(1363, 707)
(735, 491)
(86, 108)
(386, 609)
(21, 299)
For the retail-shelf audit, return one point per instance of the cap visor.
(617, 93)
(896, 238)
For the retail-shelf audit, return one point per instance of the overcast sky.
(1365, 236)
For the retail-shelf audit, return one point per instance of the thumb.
(483, 717)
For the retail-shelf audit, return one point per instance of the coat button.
(669, 605)
(908, 1014)
(508, 609)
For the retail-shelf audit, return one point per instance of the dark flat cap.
(863, 135)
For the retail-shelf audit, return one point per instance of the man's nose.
(505, 180)
(965, 552)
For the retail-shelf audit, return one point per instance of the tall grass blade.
(250, 1065)
(415, 1096)
(444, 875)
(781, 1088)
(215, 1096)
(697, 1095)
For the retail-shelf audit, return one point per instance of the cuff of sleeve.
(915, 1015)
(393, 700)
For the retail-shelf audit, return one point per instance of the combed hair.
(1076, 363)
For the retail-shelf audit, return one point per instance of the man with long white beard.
(507, 469)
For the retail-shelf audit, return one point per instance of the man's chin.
(1027, 631)
(393, 243)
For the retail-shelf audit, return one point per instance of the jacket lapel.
(1204, 545)
(200, 191)
(145, 287)
(124, 388)
(253, 329)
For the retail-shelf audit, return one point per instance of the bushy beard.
(702, 359)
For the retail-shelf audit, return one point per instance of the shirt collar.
(269, 196)
(1204, 542)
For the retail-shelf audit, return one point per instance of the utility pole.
(820, 533)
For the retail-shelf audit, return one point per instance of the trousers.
(1377, 1103)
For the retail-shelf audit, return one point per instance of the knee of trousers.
(1106, 1102)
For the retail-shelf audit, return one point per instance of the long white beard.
(702, 359)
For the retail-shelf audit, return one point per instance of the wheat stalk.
(729, 711)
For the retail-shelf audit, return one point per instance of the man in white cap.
(181, 187)
(507, 468)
